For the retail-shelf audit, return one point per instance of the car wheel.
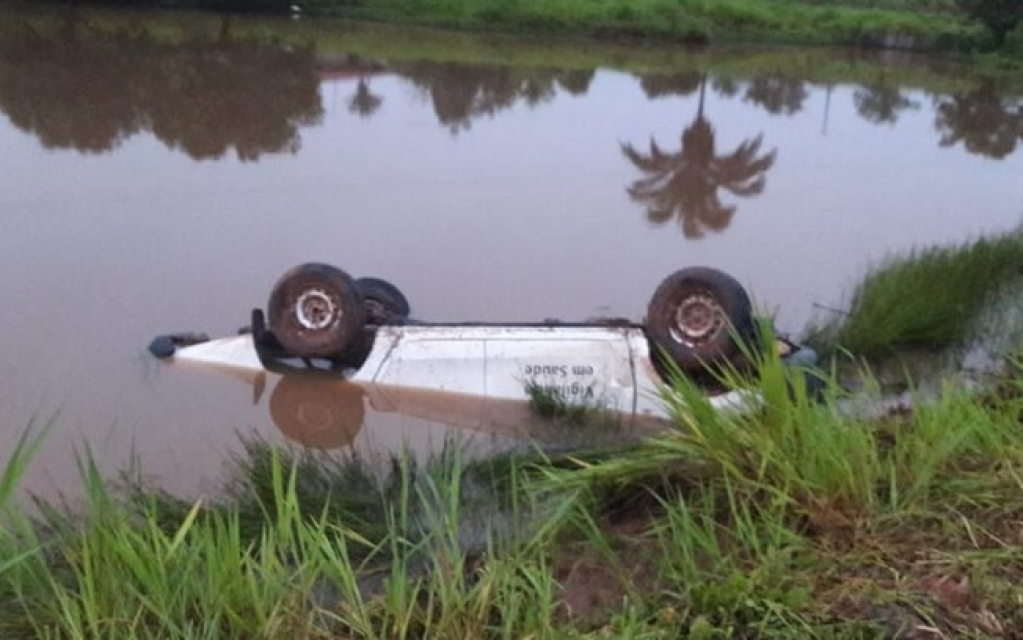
(384, 301)
(699, 317)
(315, 310)
(318, 412)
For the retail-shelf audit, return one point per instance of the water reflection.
(325, 413)
(685, 184)
(80, 90)
(461, 93)
(77, 87)
(984, 121)
(882, 102)
(777, 94)
(318, 413)
(364, 102)
(657, 85)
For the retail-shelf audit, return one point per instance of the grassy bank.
(904, 24)
(935, 298)
(693, 21)
(793, 521)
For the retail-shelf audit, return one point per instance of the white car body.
(368, 355)
(604, 366)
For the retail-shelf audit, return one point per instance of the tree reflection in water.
(881, 103)
(77, 89)
(777, 94)
(68, 94)
(985, 122)
(656, 85)
(685, 185)
(461, 93)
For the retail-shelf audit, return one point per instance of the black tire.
(315, 310)
(700, 317)
(384, 301)
(318, 412)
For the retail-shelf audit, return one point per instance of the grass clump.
(118, 570)
(931, 298)
(798, 520)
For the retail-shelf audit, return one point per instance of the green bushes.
(926, 25)
(693, 20)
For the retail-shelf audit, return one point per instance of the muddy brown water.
(150, 185)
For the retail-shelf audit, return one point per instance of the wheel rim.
(316, 310)
(698, 320)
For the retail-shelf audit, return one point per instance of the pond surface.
(159, 173)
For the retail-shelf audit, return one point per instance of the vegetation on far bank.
(948, 25)
(395, 45)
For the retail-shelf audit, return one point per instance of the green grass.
(15, 465)
(904, 24)
(933, 298)
(922, 25)
(124, 569)
(769, 524)
(793, 520)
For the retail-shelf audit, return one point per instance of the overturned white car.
(321, 320)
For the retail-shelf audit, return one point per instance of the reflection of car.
(320, 319)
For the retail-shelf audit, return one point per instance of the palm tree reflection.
(685, 184)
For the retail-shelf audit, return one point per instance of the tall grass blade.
(14, 467)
